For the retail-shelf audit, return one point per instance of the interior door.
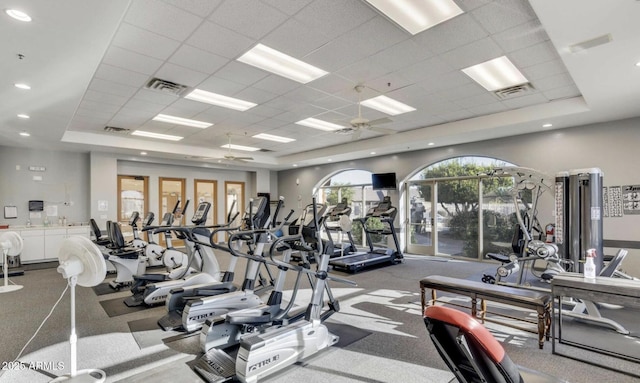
(172, 192)
(421, 223)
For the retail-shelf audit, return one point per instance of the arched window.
(447, 202)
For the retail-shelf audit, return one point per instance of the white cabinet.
(42, 244)
(53, 239)
(33, 245)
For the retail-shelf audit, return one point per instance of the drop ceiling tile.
(521, 102)
(266, 111)
(219, 40)
(127, 111)
(94, 114)
(301, 112)
(155, 97)
(305, 94)
(460, 92)
(374, 35)
(186, 108)
(144, 42)
(306, 39)
(331, 83)
(562, 92)
(453, 33)
(145, 106)
(255, 95)
(457, 115)
(521, 36)
(439, 82)
(221, 86)
(482, 110)
(109, 87)
(468, 5)
(214, 114)
(105, 98)
(333, 21)
(241, 72)
(248, 17)
(477, 100)
(501, 15)
(98, 106)
(545, 69)
(388, 82)
(200, 8)
(272, 123)
(276, 84)
(401, 55)
(473, 53)
(335, 55)
(162, 18)
(197, 59)
(133, 61)
(411, 94)
(120, 76)
(362, 71)
(552, 82)
(535, 54)
(431, 67)
(290, 7)
(180, 75)
(127, 121)
(331, 103)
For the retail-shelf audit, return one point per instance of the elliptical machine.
(271, 349)
(148, 288)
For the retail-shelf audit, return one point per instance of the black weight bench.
(529, 299)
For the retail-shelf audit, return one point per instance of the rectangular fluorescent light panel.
(181, 121)
(273, 61)
(142, 133)
(417, 16)
(496, 74)
(387, 105)
(219, 100)
(271, 137)
(240, 147)
(319, 124)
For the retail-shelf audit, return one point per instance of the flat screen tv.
(384, 181)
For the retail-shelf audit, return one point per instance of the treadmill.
(337, 220)
(386, 213)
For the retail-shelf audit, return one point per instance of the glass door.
(422, 227)
(234, 192)
(132, 196)
(172, 192)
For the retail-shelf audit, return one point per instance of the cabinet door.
(53, 239)
(33, 250)
(82, 231)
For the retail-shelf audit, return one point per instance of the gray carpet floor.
(389, 343)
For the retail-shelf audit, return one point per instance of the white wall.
(610, 146)
(64, 183)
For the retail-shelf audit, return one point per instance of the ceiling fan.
(227, 157)
(360, 123)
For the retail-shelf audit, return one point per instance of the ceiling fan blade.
(382, 130)
(243, 158)
(356, 135)
(380, 121)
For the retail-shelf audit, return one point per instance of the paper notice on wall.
(631, 199)
(35, 215)
(103, 205)
(615, 201)
(52, 211)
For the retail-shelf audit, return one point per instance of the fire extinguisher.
(550, 233)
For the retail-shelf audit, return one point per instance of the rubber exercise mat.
(116, 307)
(104, 289)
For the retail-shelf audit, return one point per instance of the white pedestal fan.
(11, 244)
(82, 263)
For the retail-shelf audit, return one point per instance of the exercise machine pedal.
(134, 300)
(171, 321)
(216, 366)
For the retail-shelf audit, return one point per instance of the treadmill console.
(342, 208)
(384, 209)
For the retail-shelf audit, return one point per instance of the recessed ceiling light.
(143, 153)
(25, 134)
(18, 15)
(295, 165)
(219, 100)
(181, 121)
(271, 137)
(547, 125)
(169, 137)
(240, 147)
(25, 116)
(320, 124)
(638, 63)
(387, 105)
(329, 160)
(416, 16)
(22, 86)
(431, 144)
(496, 74)
(274, 61)
(372, 153)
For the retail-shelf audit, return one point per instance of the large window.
(355, 186)
(447, 201)
(132, 196)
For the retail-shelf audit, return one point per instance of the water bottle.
(590, 265)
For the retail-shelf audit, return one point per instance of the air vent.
(514, 91)
(115, 129)
(165, 86)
